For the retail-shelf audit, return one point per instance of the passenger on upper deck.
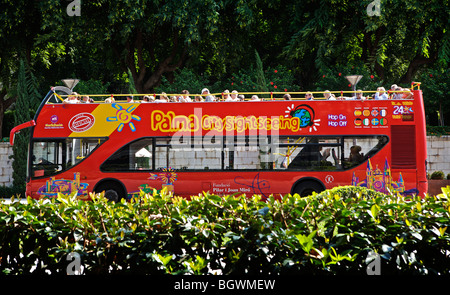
(163, 98)
(393, 87)
(234, 95)
(381, 94)
(130, 99)
(208, 96)
(87, 99)
(328, 95)
(198, 98)
(404, 94)
(147, 99)
(287, 96)
(359, 96)
(255, 98)
(110, 99)
(309, 95)
(184, 97)
(226, 95)
(72, 98)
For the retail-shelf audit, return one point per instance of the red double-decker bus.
(253, 147)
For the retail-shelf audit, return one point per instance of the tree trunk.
(4, 105)
(145, 81)
(417, 62)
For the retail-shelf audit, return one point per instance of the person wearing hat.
(234, 95)
(207, 94)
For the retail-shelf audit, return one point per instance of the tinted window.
(133, 156)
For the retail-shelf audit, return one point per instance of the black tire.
(113, 191)
(112, 195)
(307, 187)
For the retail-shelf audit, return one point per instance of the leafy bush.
(329, 233)
(438, 130)
(438, 175)
(10, 191)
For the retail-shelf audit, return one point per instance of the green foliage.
(131, 85)
(436, 87)
(261, 84)
(278, 79)
(92, 86)
(333, 78)
(21, 115)
(328, 233)
(437, 175)
(185, 79)
(7, 192)
(438, 130)
(216, 42)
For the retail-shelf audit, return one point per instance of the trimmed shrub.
(339, 231)
(438, 175)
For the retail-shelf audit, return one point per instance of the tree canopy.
(152, 41)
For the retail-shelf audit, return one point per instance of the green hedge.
(329, 233)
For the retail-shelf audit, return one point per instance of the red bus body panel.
(122, 123)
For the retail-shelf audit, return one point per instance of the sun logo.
(124, 116)
(305, 114)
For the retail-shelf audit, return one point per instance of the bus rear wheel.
(307, 187)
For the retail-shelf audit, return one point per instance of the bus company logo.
(305, 114)
(81, 122)
(54, 119)
(54, 123)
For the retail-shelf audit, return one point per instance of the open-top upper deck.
(271, 115)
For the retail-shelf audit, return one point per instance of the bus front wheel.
(306, 188)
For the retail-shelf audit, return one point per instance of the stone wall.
(438, 154)
(6, 170)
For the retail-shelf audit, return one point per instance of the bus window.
(308, 153)
(47, 158)
(248, 153)
(54, 156)
(326, 153)
(79, 148)
(134, 156)
(360, 148)
(204, 153)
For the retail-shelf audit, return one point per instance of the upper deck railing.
(226, 96)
